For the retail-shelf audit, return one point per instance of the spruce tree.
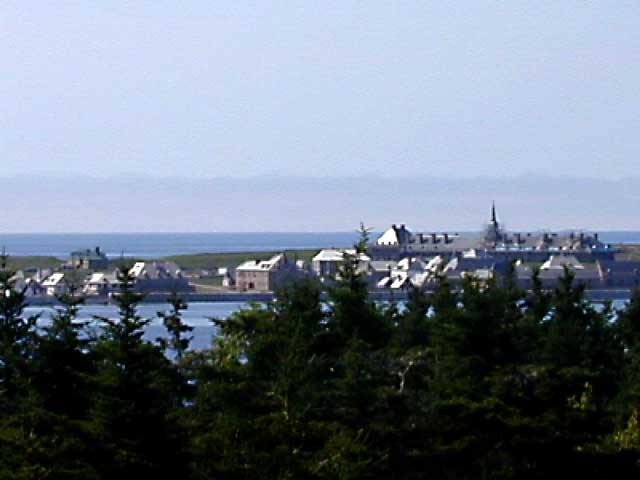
(179, 339)
(413, 323)
(21, 447)
(131, 414)
(627, 412)
(352, 313)
(62, 369)
(63, 363)
(257, 395)
(17, 337)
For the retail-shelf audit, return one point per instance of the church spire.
(493, 233)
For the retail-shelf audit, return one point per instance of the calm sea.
(155, 245)
(198, 315)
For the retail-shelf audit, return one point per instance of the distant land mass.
(312, 204)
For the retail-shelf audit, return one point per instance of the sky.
(204, 89)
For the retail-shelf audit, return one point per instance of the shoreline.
(593, 295)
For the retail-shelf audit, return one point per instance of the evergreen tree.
(131, 414)
(256, 390)
(178, 341)
(62, 367)
(627, 411)
(21, 448)
(17, 336)
(352, 313)
(413, 324)
(63, 363)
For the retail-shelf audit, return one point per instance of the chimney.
(446, 238)
(433, 238)
(581, 236)
(518, 238)
(595, 237)
(421, 238)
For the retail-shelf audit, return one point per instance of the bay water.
(156, 245)
(199, 315)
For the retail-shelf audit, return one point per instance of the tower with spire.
(493, 234)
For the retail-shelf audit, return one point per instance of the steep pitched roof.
(558, 262)
(261, 265)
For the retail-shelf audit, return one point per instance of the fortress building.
(399, 242)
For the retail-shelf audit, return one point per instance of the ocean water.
(198, 315)
(155, 245)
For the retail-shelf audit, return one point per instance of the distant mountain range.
(150, 204)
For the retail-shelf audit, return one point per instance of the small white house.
(54, 284)
(327, 262)
(101, 284)
(558, 262)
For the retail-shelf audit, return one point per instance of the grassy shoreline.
(197, 261)
(231, 259)
(207, 261)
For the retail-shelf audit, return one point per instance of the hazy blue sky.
(207, 89)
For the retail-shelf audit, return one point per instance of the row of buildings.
(399, 242)
(148, 277)
(397, 259)
(417, 272)
(400, 258)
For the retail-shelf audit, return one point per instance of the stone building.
(399, 242)
(89, 259)
(265, 275)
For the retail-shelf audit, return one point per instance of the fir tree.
(178, 341)
(413, 324)
(63, 363)
(17, 336)
(131, 415)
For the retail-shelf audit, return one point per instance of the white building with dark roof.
(327, 262)
(54, 284)
(159, 277)
(102, 284)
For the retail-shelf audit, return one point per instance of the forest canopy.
(485, 381)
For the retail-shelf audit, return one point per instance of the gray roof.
(382, 265)
(89, 254)
(587, 273)
(438, 242)
(610, 266)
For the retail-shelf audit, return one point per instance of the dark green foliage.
(135, 393)
(178, 341)
(16, 341)
(486, 381)
(63, 363)
(413, 328)
(256, 390)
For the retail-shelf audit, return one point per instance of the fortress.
(399, 242)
